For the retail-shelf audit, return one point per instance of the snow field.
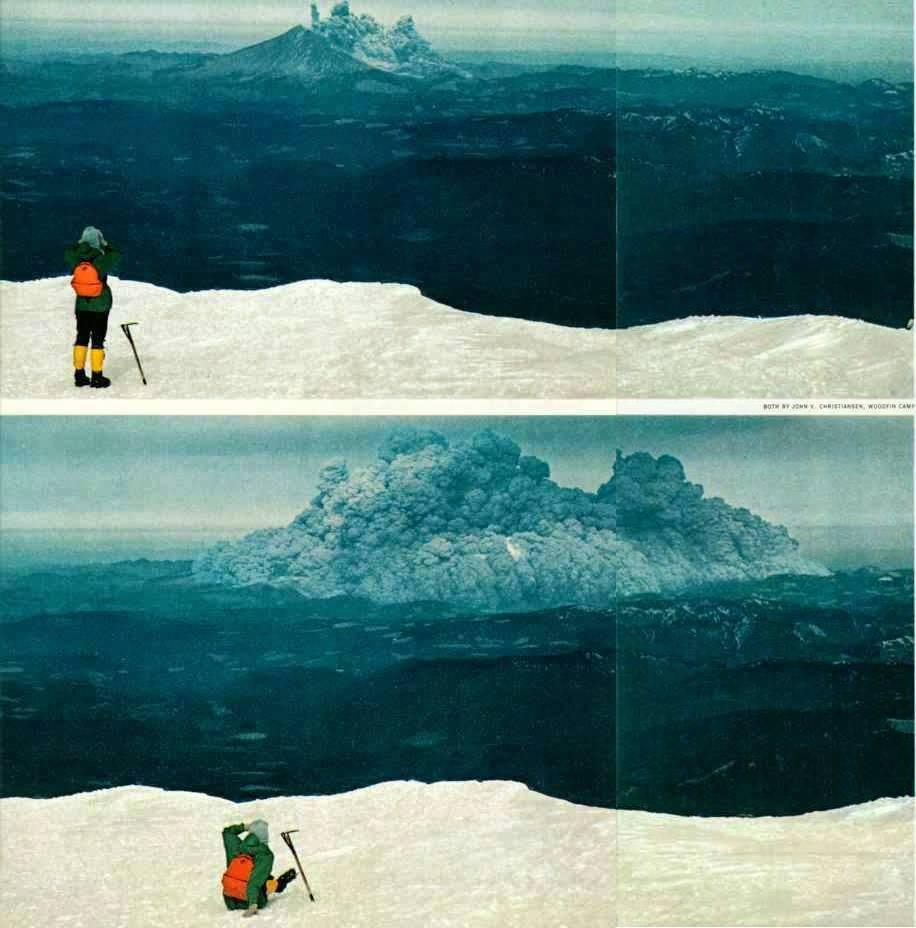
(793, 356)
(850, 866)
(453, 855)
(317, 339)
(396, 854)
(312, 339)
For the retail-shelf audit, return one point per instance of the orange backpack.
(235, 879)
(86, 280)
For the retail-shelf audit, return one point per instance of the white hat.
(259, 829)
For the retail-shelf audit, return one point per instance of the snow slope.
(396, 854)
(851, 866)
(411, 855)
(314, 338)
(297, 53)
(791, 356)
(320, 339)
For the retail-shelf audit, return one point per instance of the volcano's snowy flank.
(478, 524)
(453, 855)
(315, 338)
(792, 356)
(850, 866)
(320, 339)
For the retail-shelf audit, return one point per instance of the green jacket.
(263, 864)
(103, 262)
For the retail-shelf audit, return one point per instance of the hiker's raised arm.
(231, 841)
(108, 260)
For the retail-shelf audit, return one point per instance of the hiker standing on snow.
(90, 260)
(247, 881)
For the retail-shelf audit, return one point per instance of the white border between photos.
(418, 407)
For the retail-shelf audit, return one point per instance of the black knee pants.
(91, 325)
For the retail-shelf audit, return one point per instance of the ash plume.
(479, 524)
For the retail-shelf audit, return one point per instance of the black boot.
(284, 879)
(80, 379)
(99, 380)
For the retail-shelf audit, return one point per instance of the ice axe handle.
(125, 328)
(289, 843)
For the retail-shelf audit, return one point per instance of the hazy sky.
(446, 22)
(211, 473)
(815, 17)
(774, 31)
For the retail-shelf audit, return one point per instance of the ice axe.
(125, 328)
(289, 843)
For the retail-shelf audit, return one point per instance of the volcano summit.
(342, 44)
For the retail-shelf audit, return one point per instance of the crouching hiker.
(90, 259)
(247, 881)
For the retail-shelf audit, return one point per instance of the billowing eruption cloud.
(481, 525)
(400, 48)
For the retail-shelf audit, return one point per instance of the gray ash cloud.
(400, 48)
(479, 524)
